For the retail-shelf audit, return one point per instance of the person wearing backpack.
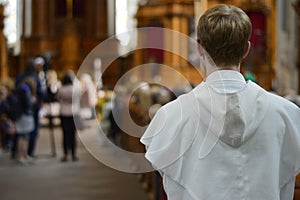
(38, 94)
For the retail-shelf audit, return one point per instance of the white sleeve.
(174, 190)
(168, 136)
(290, 152)
(287, 191)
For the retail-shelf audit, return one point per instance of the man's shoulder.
(184, 106)
(273, 98)
(280, 101)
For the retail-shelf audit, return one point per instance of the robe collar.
(226, 81)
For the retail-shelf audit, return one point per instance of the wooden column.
(168, 42)
(101, 26)
(40, 17)
(89, 18)
(42, 14)
(51, 18)
(3, 50)
(176, 59)
(70, 41)
(96, 18)
(297, 8)
(199, 7)
(185, 41)
(39, 34)
(95, 24)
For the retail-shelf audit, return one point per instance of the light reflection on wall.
(10, 22)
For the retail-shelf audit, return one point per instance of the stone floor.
(49, 179)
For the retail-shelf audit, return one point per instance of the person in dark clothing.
(6, 125)
(69, 107)
(31, 72)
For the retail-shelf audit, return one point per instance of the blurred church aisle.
(48, 178)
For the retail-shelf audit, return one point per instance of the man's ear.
(247, 50)
(200, 48)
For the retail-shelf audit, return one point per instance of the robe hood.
(234, 117)
(210, 112)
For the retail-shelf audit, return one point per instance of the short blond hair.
(224, 32)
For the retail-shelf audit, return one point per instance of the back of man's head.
(224, 32)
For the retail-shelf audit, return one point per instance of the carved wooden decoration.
(174, 15)
(67, 30)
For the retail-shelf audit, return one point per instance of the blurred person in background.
(53, 85)
(26, 123)
(89, 95)
(6, 125)
(33, 66)
(69, 107)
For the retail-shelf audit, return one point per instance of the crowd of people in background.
(23, 103)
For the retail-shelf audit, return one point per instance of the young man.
(228, 138)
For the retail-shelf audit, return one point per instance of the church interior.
(64, 32)
(109, 40)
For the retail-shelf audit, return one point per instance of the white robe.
(227, 139)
